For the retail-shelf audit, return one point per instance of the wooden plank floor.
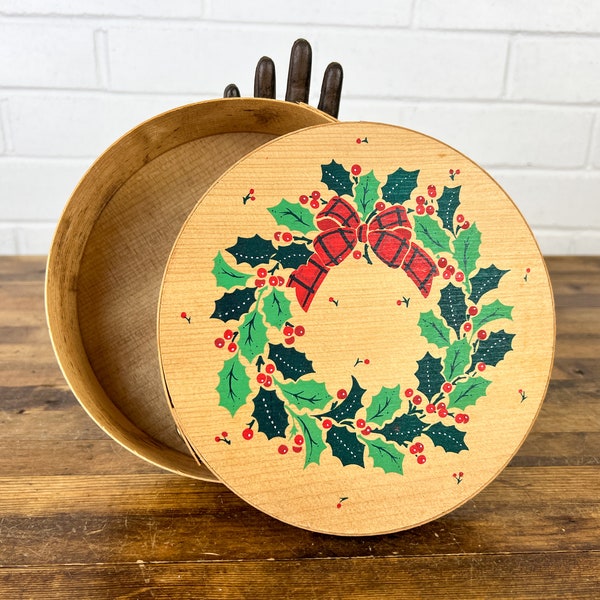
(80, 517)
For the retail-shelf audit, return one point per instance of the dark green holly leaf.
(234, 386)
(402, 429)
(226, 276)
(270, 414)
(399, 186)
(306, 393)
(447, 437)
(254, 251)
(385, 455)
(336, 178)
(347, 408)
(366, 194)
(289, 362)
(253, 335)
(448, 202)
(431, 235)
(232, 305)
(453, 306)
(466, 250)
(313, 439)
(346, 446)
(384, 405)
(491, 312)
(292, 256)
(466, 393)
(493, 349)
(434, 330)
(429, 375)
(294, 216)
(276, 308)
(457, 359)
(485, 280)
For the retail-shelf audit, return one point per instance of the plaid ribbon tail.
(420, 268)
(307, 279)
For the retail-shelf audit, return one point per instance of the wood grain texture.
(112, 526)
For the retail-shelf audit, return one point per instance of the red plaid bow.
(388, 234)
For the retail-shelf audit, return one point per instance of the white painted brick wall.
(515, 85)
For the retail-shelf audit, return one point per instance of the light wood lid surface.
(395, 354)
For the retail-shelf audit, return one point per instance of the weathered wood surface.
(80, 517)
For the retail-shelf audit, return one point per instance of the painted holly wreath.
(263, 278)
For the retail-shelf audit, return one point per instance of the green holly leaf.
(270, 414)
(491, 312)
(292, 256)
(232, 305)
(227, 277)
(346, 446)
(384, 405)
(305, 393)
(485, 280)
(347, 408)
(402, 429)
(291, 363)
(466, 250)
(366, 193)
(336, 178)
(233, 387)
(399, 186)
(493, 349)
(447, 437)
(254, 251)
(313, 439)
(453, 306)
(448, 202)
(385, 455)
(294, 216)
(276, 308)
(466, 393)
(457, 359)
(253, 335)
(434, 330)
(429, 375)
(431, 235)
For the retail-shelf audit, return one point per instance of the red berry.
(224, 434)
(228, 334)
(460, 276)
(430, 209)
(248, 434)
(413, 449)
(366, 431)
(442, 413)
(421, 459)
(297, 449)
(232, 347)
(303, 199)
(259, 283)
(331, 299)
(408, 392)
(465, 418)
(339, 504)
(280, 280)
(431, 191)
(442, 262)
(252, 198)
(446, 274)
(358, 141)
(367, 361)
(299, 440)
(184, 315)
(217, 439)
(273, 280)
(430, 408)
(283, 449)
(379, 205)
(287, 237)
(327, 424)
(356, 169)
(473, 310)
(399, 302)
(459, 418)
(441, 405)
(251, 191)
(451, 269)
(262, 273)
(482, 334)
(420, 209)
(481, 366)
(520, 391)
(460, 218)
(288, 330)
(420, 200)
(315, 195)
(447, 387)
(314, 204)
(451, 172)
(467, 327)
(277, 235)
(361, 423)
(270, 368)
(268, 381)
(460, 474)
(420, 447)
(466, 225)
(341, 394)
(219, 342)
(289, 340)
(261, 378)
(528, 270)
(417, 400)
(356, 254)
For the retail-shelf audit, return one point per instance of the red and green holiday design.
(292, 407)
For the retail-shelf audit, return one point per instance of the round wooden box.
(356, 328)
(110, 249)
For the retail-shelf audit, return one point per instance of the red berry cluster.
(416, 449)
(229, 339)
(313, 200)
(265, 379)
(343, 498)
(458, 476)
(297, 447)
(463, 224)
(356, 170)
(362, 141)
(425, 206)
(223, 438)
(290, 331)
(450, 270)
(362, 425)
(261, 278)
(185, 316)
(249, 196)
(453, 173)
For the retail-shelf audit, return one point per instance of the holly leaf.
(336, 178)
(294, 216)
(276, 308)
(399, 186)
(466, 250)
(493, 349)
(453, 306)
(457, 359)
(253, 335)
(429, 375)
(384, 405)
(366, 194)
(306, 393)
(292, 256)
(254, 251)
(270, 414)
(466, 393)
(385, 455)
(485, 280)
(233, 387)
(226, 276)
(491, 312)
(313, 439)
(448, 202)
(232, 305)
(291, 363)
(447, 437)
(347, 408)
(434, 330)
(402, 429)
(431, 235)
(346, 446)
